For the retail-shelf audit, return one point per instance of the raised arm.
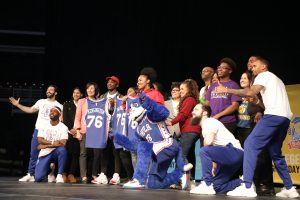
(27, 109)
(246, 92)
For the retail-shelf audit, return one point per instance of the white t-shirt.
(44, 106)
(222, 136)
(52, 133)
(274, 95)
(112, 96)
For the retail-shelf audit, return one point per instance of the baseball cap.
(114, 78)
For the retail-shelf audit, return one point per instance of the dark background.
(120, 37)
(70, 43)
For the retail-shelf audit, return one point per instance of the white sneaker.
(51, 178)
(188, 167)
(185, 179)
(27, 178)
(202, 188)
(291, 193)
(242, 191)
(173, 186)
(192, 184)
(115, 179)
(242, 178)
(133, 184)
(59, 179)
(97, 179)
(101, 179)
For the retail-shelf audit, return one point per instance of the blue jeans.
(34, 152)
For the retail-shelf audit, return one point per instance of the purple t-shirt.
(219, 102)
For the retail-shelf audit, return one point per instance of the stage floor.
(10, 188)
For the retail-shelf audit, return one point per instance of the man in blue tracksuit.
(271, 130)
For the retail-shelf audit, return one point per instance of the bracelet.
(258, 101)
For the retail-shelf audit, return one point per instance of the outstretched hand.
(220, 88)
(14, 101)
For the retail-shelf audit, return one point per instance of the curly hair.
(150, 73)
(193, 90)
(229, 62)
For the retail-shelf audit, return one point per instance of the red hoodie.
(184, 116)
(155, 95)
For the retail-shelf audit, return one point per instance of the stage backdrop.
(291, 145)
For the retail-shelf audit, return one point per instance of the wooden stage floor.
(10, 188)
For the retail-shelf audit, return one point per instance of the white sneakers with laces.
(51, 178)
(115, 179)
(133, 184)
(290, 193)
(27, 178)
(101, 179)
(59, 178)
(203, 188)
(242, 191)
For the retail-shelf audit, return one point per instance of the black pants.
(73, 150)
(123, 157)
(97, 161)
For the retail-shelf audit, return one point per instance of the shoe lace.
(134, 181)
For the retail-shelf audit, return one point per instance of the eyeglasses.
(175, 90)
(223, 67)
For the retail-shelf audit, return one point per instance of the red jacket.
(155, 95)
(184, 116)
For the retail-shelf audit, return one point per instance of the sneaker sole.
(134, 188)
(254, 195)
(95, 182)
(114, 183)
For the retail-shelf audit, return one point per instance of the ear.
(204, 113)
(55, 93)
(264, 67)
